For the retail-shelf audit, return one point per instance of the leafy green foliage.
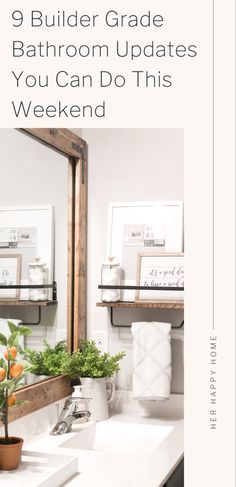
(13, 340)
(20, 330)
(12, 327)
(3, 340)
(48, 361)
(3, 363)
(9, 384)
(91, 362)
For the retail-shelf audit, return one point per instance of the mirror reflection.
(33, 239)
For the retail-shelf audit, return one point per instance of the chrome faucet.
(75, 409)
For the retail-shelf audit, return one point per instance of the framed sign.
(10, 265)
(160, 270)
(29, 231)
(155, 226)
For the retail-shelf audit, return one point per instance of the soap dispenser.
(78, 392)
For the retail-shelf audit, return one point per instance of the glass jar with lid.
(37, 273)
(110, 276)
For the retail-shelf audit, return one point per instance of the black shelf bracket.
(143, 288)
(32, 323)
(52, 286)
(117, 325)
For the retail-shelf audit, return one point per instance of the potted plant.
(94, 369)
(47, 362)
(12, 371)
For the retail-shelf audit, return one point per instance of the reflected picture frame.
(17, 226)
(10, 271)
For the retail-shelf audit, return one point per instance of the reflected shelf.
(18, 302)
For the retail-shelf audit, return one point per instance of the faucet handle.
(60, 428)
(82, 416)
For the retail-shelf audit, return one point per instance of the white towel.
(151, 360)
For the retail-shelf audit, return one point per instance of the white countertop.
(137, 468)
(130, 469)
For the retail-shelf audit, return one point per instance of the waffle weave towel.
(151, 360)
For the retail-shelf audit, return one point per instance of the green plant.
(48, 361)
(89, 361)
(12, 371)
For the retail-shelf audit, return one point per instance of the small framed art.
(164, 270)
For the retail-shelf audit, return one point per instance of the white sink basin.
(119, 437)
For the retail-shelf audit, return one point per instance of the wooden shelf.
(144, 304)
(18, 302)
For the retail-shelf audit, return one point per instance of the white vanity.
(141, 445)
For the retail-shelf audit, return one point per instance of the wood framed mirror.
(74, 148)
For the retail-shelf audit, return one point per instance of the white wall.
(130, 165)
(32, 174)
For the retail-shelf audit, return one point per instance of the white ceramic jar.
(110, 276)
(37, 273)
